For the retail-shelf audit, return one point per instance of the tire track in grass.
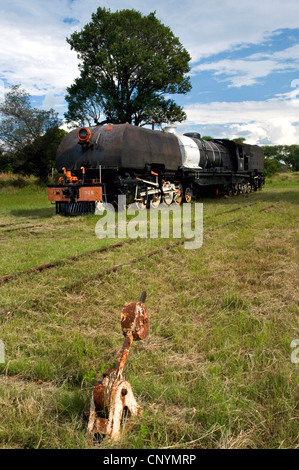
(45, 266)
(26, 227)
(59, 262)
(116, 267)
(71, 287)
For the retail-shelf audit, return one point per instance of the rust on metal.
(124, 354)
(100, 397)
(101, 426)
(112, 397)
(134, 318)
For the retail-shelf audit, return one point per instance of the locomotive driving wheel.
(235, 189)
(178, 197)
(167, 199)
(141, 204)
(188, 194)
(155, 201)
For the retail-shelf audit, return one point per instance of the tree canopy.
(20, 123)
(278, 155)
(29, 136)
(130, 63)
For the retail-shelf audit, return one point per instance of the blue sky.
(244, 68)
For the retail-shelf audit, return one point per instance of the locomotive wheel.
(155, 202)
(141, 205)
(167, 199)
(178, 198)
(188, 194)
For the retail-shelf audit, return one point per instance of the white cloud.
(249, 70)
(35, 54)
(239, 72)
(39, 62)
(273, 121)
(212, 26)
(2, 89)
(34, 32)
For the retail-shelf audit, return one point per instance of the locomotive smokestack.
(84, 135)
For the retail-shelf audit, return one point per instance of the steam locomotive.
(149, 167)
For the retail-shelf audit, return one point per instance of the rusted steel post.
(113, 395)
(124, 354)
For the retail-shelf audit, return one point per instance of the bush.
(272, 166)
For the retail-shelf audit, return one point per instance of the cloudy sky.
(244, 69)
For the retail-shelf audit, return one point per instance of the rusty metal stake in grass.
(112, 398)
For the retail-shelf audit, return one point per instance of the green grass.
(215, 370)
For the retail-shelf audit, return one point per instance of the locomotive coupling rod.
(113, 396)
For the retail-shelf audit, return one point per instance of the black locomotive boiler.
(149, 167)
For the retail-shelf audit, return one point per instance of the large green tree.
(38, 157)
(239, 140)
(288, 154)
(129, 64)
(85, 103)
(292, 156)
(20, 123)
(29, 136)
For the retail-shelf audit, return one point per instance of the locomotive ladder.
(104, 194)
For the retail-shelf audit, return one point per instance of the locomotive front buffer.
(112, 398)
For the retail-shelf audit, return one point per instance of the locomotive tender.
(149, 167)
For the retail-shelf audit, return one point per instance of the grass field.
(215, 370)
